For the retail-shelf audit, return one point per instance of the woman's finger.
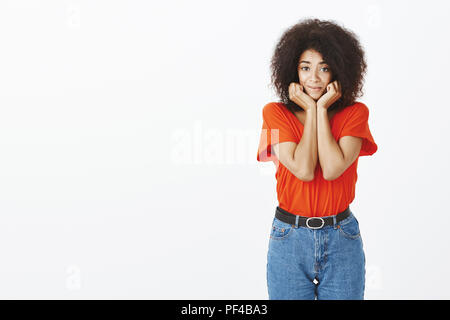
(297, 89)
(335, 85)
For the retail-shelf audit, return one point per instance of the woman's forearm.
(305, 154)
(330, 154)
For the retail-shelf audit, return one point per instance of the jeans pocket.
(349, 228)
(280, 230)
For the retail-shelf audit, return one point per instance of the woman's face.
(313, 73)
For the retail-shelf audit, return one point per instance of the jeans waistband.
(311, 222)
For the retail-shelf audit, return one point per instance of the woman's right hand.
(301, 98)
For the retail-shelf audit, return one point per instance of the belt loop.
(334, 221)
(296, 221)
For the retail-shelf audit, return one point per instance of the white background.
(128, 140)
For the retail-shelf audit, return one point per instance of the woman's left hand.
(333, 94)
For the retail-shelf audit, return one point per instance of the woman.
(315, 136)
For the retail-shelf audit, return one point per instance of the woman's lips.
(315, 88)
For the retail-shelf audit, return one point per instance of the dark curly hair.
(339, 47)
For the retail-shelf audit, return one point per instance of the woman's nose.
(314, 75)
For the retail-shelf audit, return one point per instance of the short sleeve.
(275, 129)
(357, 125)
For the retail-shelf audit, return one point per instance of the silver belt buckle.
(307, 220)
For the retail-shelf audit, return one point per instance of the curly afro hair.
(339, 47)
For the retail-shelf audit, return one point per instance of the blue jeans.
(326, 263)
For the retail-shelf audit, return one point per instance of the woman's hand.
(333, 94)
(300, 97)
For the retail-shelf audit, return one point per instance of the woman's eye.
(306, 68)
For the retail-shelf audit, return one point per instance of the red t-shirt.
(318, 197)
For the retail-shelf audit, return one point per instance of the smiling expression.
(314, 73)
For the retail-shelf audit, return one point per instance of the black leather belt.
(310, 222)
